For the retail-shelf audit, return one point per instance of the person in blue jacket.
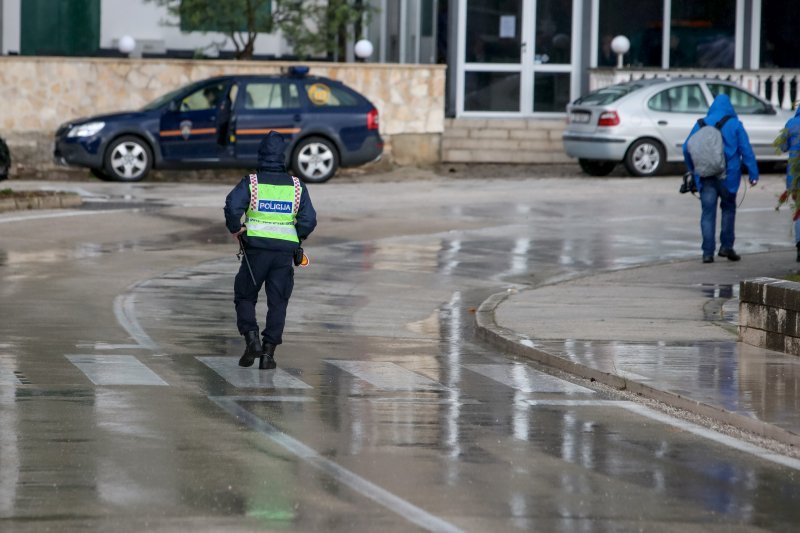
(790, 142)
(279, 216)
(712, 189)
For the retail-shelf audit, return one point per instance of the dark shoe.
(708, 259)
(730, 254)
(267, 361)
(252, 348)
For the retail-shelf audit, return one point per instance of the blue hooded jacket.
(271, 170)
(736, 141)
(792, 145)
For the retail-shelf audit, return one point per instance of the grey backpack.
(707, 149)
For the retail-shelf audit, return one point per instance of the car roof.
(227, 77)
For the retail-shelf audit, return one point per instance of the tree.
(240, 20)
(312, 27)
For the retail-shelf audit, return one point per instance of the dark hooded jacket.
(737, 145)
(791, 144)
(271, 170)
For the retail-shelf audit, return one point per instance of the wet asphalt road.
(122, 408)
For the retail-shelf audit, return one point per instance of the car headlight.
(86, 130)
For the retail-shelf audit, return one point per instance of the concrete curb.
(510, 341)
(55, 201)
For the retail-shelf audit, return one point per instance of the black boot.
(267, 361)
(252, 348)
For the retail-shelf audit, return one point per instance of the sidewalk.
(665, 331)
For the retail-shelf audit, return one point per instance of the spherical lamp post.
(363, 49)
(620, 45)
(126, 44)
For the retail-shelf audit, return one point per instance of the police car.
(219, 123)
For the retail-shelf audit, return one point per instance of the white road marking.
(115, 370)
(710, 434)
(50, 214)
(301, 399)
(386, 375)
(124, 310)
(366, 488)
(252, 378)
(525, 379)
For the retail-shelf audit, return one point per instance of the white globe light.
(620, 44)
(126, 44)
(363, 49)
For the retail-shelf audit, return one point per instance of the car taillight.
(373, 121)
(608, 118)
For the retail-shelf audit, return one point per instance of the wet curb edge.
(506, 339)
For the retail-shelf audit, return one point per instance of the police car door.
(265, 105)
(189, 129)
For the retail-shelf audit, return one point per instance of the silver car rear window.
(607, 95)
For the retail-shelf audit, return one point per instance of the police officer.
(279, 215)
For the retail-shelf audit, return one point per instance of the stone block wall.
(40, 93)
(769, 314)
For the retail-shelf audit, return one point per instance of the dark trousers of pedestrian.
(275, 271)
(714, 190)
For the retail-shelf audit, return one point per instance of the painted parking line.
(364, 487)
(386, 375)
(525, 379)
(115, 370)
(252, 378)
(689, 427)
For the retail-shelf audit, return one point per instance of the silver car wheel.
(315, 160)
(646, 158)
(129, 160)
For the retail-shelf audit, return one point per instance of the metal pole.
(246, 260)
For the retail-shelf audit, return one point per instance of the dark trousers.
(274, 270)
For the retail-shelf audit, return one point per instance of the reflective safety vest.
(273, 210)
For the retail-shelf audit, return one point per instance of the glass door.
(516, 56)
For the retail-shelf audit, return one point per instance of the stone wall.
(39, 93)
(769, 314)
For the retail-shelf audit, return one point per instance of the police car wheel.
(315, 160)
(128, 158)
(644, 158)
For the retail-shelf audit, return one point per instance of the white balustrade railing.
(778, 87)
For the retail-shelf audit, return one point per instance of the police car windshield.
(165, 99)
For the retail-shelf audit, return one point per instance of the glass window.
(553, 31)
(271, 95)
(491, 91)
(608, 95)
(641, 21)
(205, 98)
(743, 102)
(551, 91)
(323, 94)
(702, 34)
(682, 99)
(493, 31)
(779, 34)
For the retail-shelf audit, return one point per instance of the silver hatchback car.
(644, 123)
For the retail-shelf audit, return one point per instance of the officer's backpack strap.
(297, 192)
(253, 192)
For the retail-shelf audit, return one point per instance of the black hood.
(271, 153)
